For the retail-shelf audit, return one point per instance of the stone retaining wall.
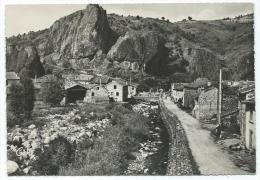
(180, 160)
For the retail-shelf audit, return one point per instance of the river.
(152, 157)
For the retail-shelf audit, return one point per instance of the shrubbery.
(109, 154)
(59, 153)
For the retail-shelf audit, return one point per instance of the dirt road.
(208, 156)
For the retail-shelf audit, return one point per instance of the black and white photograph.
(129, 89)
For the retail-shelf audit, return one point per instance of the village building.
(177, 92)
(247, 115)
(118, 90)
(79, 78)
(191, 91)
(11, 77)
(97, 94)
(206, 104)
(132, 90)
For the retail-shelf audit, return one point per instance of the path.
(209, 157)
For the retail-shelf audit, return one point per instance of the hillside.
(144, 47)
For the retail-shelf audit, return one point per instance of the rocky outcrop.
(24, 58)
(82, 33)
(90, 39)
(146, 48)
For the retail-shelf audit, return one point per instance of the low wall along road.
(192, 149)
(180, 160)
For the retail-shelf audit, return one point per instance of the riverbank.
(180, 159)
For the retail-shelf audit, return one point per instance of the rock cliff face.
(90, 38)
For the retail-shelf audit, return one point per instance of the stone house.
(132, 90)
(247, 117)
(11, 77)
(75, 92)
(191, 91)
(248, 121)
(206, 104)
(177, 91)
(118, 90)
(97, 94)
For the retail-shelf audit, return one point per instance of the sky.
(21, 19)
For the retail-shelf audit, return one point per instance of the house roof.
(196, 85)
(79, 77)
(178, 86)
(45, 78)
(247, 89)
(104, 79)
(12, 76)
(120, 81)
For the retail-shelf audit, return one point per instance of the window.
(97, 88)
(133, 88)
(114, 86)
(117, 93)
(92, 94)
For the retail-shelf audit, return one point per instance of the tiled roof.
(45, 78)
(247, 89)
(104, 79)
(196, 85)
(120, 81)
(12, 76)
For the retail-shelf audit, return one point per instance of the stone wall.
(208, 104)
(180, 160)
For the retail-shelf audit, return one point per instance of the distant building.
(206, 104)
(191, 91)
(177, 92)
(132, 90)
(75, 92)
(118, 90)
(79, 78)
(11, 77)
(97, 94)
(247, 115)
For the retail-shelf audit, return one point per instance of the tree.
(16, 99)
(28, 96)
(163, 18)
(52, 91)
(189, 18)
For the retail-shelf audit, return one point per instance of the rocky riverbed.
(152, 156)
(24, 142)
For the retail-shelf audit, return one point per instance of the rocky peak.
(82, 33)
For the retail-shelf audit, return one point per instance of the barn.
(74, 92)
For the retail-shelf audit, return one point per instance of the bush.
(59, 153)
(16, 99)
(110, 154)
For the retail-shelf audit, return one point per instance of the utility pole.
(219, 96)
